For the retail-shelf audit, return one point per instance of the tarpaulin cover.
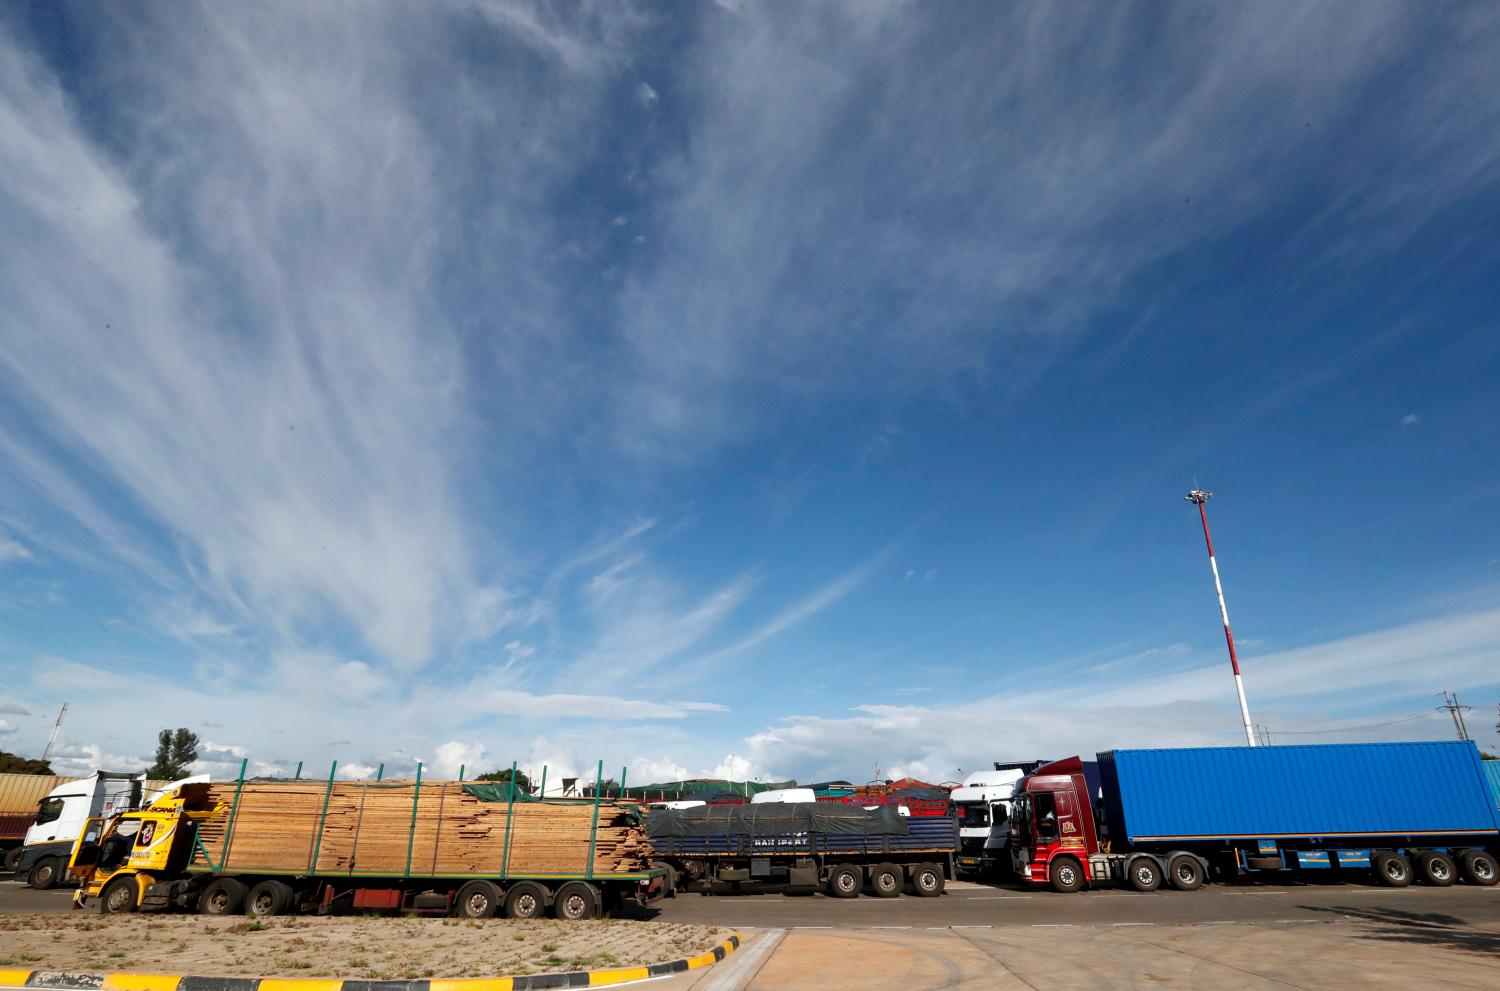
(775, 818)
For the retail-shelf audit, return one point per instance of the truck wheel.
(692, 870)
(223, 896)
(1436, 869)
(12, 859)
(845, 880)
(575, 902)
(120, 896)
(1185, 872)
(1393, 870)
(525, 900)
(477, 900)
(886, 880)
(269, 898)
(1144, 874)
(1066, 875)
(927, 880)
(45, 874)
(1480, 868)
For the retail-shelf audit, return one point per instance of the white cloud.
(14, 708)
(651, 770)
(1411, 420)
(7, 727)
(71, 759)
(11, 550)
(448, 757)
(646, 96)
(517, 703)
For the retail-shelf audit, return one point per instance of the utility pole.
(1263, 734)
(1451, 703)
(55, 727)
(1198, 497)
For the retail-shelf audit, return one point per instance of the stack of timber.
(395, 829)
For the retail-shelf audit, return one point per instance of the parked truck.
(982, 804)
(1144, 817)
(840, 849)
(19, 795)
(60, 817)
(278, 847)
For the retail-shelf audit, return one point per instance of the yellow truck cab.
(130, 861)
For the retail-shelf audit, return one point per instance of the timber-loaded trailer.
(274, 847)
(839, 849)
(1142, 818)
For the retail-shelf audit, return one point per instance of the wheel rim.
(887, 881)
(927, 880)
(1440, 870)
(1482, 869)
(1186, 874)
(1144, 876)
(218, 902)
(262, 904)
(44, 873)
(574, 906)
(1395, 870)
(119, 899)
(526, 905)
(1065, 875)
(845, 881)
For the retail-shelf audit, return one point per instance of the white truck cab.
(982, 803)
(62, 815)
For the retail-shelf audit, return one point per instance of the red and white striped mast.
(1199, 497)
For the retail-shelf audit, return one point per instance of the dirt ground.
(369, 947)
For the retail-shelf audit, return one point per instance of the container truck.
(279, 847)
(841, 849)
(59, 819)
(1145, 817)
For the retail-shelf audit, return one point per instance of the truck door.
(86, 853)
(1069, 825)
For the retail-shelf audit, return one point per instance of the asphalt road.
(997, 907)
(981, 906)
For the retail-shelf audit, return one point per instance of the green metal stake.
(594, 830)
(380, 771)
(460, 772)
(233, 811)
(317, 850)
(510, 812)
(622, 781)
(411, 835)
(543, 792)
(298, 775)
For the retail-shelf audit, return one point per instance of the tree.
(606, 787)
(16, 764)
(523, 783)
(175, 753)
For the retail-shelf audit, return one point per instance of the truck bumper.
(36, 851)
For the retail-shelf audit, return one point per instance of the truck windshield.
(972, 814)
(49, 809)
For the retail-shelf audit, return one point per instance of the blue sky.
(743, 388)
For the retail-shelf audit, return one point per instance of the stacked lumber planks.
(369, 829)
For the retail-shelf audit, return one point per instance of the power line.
(1345, 729)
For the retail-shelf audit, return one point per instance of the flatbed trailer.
(842, 850)
(195, 849)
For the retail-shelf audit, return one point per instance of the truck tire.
(120, 896)
(1480, 868)
(845, 880)
(1066, 875)
(45, 874)
(1143, 874)
(526, 900)
(1185, 872)
(927, 880)
(1264, 863)
(575, 902)
(1393, 870)
(477, 900)
(270, 898)
(223, 896)
(886, 880)
(1436, 869)
(12, 859)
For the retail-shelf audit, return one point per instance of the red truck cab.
(1053, 833)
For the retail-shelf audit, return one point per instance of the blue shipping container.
(1332, 790)
(1492, 771)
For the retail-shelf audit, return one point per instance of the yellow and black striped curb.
(533, 982)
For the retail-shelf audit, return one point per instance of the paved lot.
(975, 937)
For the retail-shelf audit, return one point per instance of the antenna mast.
(55, 727)
(1199, 497)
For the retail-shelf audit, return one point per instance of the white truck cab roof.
(784, 795)
(987, 786)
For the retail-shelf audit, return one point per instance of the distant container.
(19, 795)
(1327, 790)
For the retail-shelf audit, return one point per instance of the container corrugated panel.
(1492, 771)
(1356, 789)
(19, 793)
